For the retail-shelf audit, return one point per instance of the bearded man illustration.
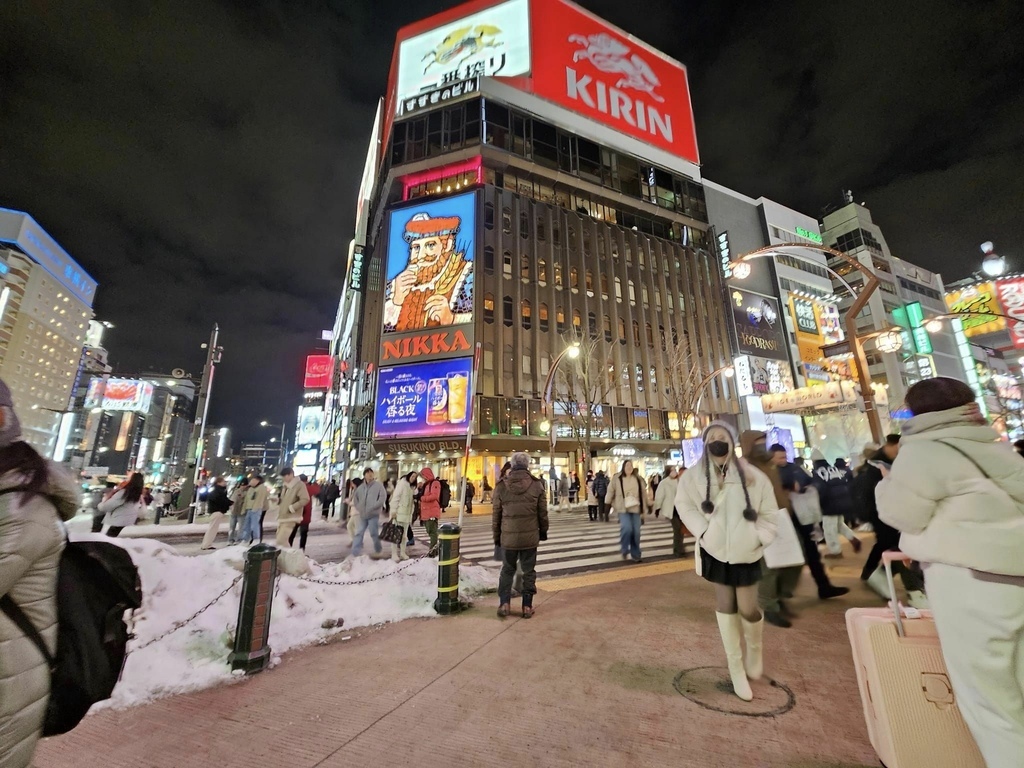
(436, 287)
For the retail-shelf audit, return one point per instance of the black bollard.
(252, 651)
(448, 570)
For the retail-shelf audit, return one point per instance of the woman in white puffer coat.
(957, 495)
(730, 507)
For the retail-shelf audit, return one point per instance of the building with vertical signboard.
(907, 296)
(45, 308)
(538, 182)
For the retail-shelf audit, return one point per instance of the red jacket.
(430, 504)
(307, 511)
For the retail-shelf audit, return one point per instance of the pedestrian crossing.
(574, 542)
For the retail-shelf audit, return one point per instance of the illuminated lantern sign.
(319, 372)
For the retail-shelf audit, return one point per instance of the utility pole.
(193, 460)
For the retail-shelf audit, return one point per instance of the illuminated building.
(45, 307)
(546, 163)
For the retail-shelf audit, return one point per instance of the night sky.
(201, 159)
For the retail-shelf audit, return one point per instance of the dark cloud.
(201, 158)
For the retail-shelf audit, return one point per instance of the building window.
(592, 324)
(506, 310)
(589, 277)
(488, 308)
(604, 286)
(506, 220)
(524, 268)
(607, 329)
(542, 273)
(506, 264)
(657, 300)
(558, 275)
(661, 334)
(618, 289)
(643, 294)
(542, 311)
(524, 226)
(527, 315)
(541, 230)
(636, 333)
(650, 335)
(577, 322)
(488, 258)
(489, 215)
(632, 294)
(560, 319)
(574, 279)
(622, 331)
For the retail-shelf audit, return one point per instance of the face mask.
(718, 448)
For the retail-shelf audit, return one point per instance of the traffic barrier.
(447, 601)
(251, 652)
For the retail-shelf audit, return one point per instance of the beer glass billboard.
(431, 399)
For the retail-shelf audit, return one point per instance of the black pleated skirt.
(730, 574)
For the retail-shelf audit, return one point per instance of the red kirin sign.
(319, 372)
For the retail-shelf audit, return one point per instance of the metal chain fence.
(175, 627)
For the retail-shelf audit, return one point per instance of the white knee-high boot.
(729, 627)
(752, 658)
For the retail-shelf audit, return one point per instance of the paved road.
(574, 543)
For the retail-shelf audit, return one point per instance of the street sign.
(96, 471)
(837, 349)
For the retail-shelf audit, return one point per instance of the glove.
(544, 536)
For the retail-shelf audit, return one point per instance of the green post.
(448, 570)
(252, 651)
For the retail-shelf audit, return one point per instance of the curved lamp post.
(572, 352)
(861, 297)
(728, 371)
(280, 445)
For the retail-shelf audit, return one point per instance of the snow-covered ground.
(175, 586)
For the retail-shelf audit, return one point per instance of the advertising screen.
(311, 424)
(598, 71)
(431, 248)
(127, 395)
(432, 399)
(1011, 296)
(975, 301)
(494, 42)
(94, 396)
(760, 329)
(319, 372)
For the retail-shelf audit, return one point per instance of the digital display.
(430, 399)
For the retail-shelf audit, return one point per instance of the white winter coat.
(402, 503)
(665, 496)
(947, 511)
(31, 542)
(120, 514)
(725, 534)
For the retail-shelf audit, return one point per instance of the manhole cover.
(711, 688)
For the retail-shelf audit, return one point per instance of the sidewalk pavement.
(589, 681)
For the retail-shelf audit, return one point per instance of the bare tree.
(581, 390)
(683, 381)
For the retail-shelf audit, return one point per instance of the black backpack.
(96, 583)
(446, 494)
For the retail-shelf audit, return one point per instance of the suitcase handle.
(888, 558)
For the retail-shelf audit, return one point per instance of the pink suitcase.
(911, 712)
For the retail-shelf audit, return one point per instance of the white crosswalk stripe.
(574, 542)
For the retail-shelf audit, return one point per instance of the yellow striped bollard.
(448, 570)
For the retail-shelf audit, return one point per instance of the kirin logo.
(609, 55)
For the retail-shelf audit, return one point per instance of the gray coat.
(520, 511)
(31, 542)
(369, 499)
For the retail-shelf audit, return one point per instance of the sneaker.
(866, 528)
(918, 599)
(504, 610)
(831, 591)
(527, 611)
(833, 555)
(777, 619)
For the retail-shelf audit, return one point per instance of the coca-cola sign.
(319, 371)
(1011, 296)
(602, 73)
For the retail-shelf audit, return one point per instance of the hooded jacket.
(430, 501)
(724, 533)
(833, 486)
(218, 500)
(600, 484)
(519, 519)
(120, 513)
(947, 509)
(31, 542)
(765, 464)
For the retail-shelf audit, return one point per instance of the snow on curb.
(175, 586)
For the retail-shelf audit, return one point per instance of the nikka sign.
(600, 72)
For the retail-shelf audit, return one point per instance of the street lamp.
(993, 264)
(871, 283)
(572, 352)
(281, 456)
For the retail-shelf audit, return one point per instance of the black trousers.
(303, 530)
(263, 514)
(412, 539)
(677, 534)
(812, 556)
(527, 560)
(97, 523)
(602, 510)
(592, 511)
(114, 530)
(887, 539)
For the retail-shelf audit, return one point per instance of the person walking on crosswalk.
(627, 495)
(519, 522)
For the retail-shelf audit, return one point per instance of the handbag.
(392, 532)
(807, 506)
(786, 550)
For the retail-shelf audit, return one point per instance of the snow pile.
(176, 586)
